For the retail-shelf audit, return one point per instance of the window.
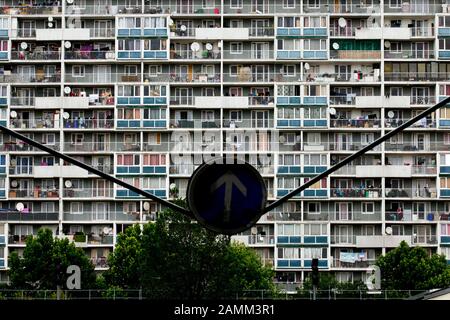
(236, 115)
(288, 22)
(313, 139)
(129, 23)
(444, 21)
(234, 70)
(49, 138)
(129, 207)
(289, 160)
(154, 91)
(208, 4)
(313, 207)
(77, 71)
(77, 138)
(155, 44)
(128, 159)
(315, 229)
(154, 138)
(287, 4)
(128, 113)
(446, 139)
(289, 138)
(155, 114)
(396, 139)
(288, 113)
(4, 45)
(208, 92)
(236, 4)
(314, 44)
(291, 44)
(288, 70)
(129, 91)
(445, 183)
(315, 113)
(236, 47)
(315, 22)
(368, 208)
(396, 47)
(314, 253)
(289, 229)
(153, 183)
(289, 253)
(315, 159)
(76, 208)
(322, 184)
(207, 115)
(154, 71)
(367, 138)
(313, 4)
(395, 3)
(155, 22)
(154, 160)
(129, 45)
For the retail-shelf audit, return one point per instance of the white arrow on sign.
(229, 179)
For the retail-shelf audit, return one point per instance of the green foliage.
(177, 258)
(45, 261)
(330, 287)
(412, 268)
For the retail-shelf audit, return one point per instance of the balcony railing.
(424, 239)
(422, 7)
(32, 124)
(18, 239)
(89, 124)
(423, 192)
(351, 265)
(21, 146)
(182, 169)
(419, 216)
(355, 54)
(409, 54)
(355, 123)
(103, 78)
(197, 77)
(35, 55)
(88, 193)
(355, 192)
(416, 76)
(31, 9)
(189, 54)
(248, 123)
(423, 123)
(248, 54)
(347, 239)
(33, 193)
(194, 123)
(87, 55)
(29, 216)
(31, 78)
(100, 262)
(101, 216)
(341, 77)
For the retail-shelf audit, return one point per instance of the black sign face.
(227, 198)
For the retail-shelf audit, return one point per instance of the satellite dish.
(106, 230)
(13, 162)
(307, 66)
(391, 114)
(388, 230)
(67, 44)
(209, 46)
(68, 184)
(13, 114)
(24, 45)
(170, 21)
(335, 46)
(67, 90)
(69, 1)
(50, 24)
(332, 111)
(172, 186)
(183, 28)
(282, 139)
(195, 46)
(342, 22)
(387, 44)
(66, 115)
(14, 183)
(20, 206)
(50, 18)
(146, 205)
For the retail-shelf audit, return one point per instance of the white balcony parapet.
(384, 171)
(222, 33)
(368, 33)
(47, 102)
(388, 241)
(59, 171)
(396, 33)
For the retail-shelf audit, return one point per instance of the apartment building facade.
(142, 89)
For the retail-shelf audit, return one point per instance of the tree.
(45, 261)
(177, 258)
(330, 287)
(412, 268)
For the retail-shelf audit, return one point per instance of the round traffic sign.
(226, 197)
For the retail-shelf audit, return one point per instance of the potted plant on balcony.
(79, 237)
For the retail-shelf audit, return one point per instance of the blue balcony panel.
(444, 32)
(2, 263)
(4, 33)
(129, 32)
(445, 240)
(444, 54)
(126, 194)
(289, 101)
(2, 239)
(288, 123)
(316, 193)
(289, 170)
(444, 170)
(157, 192)
(3, 101)
(288, 54)
(3, 193)
(3, 55)
(155, 32)
(445, 192)
(289, 239)
(129, 55)
(155, 124)
(444, 123)
(155, 100)
(315, 123)
(314, 169)
(315, 32)
(323, 263)
(2, 170)
(289, 32)
(284, 263)
(315, 100)
(315, 54)
(155, 54)
(128, 169)
(154, 169)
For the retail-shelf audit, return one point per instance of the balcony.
(14, 216)
(101, 263)
(396, 33)
(355, 192)
(353, 265)
(373, 76)
(355, 54)
(26, 9)
(88, 124)
(31, 78)
(90, 55)
(416, 76)
(191, 55)
(222, 33)
(409, 54)
(368, 33)
(182, 169)
(23, 147)
(255, 240)
(35, 55)
(88, 193)
(196, 77)
(96, 239)
(19, 239)
(426, 193)
(407, 216)
(424, 240)
(356, 216)
(248, 55)
(344, 239)
(355, 123)
(423, 123)
(33, 124)
(195, 123)
(34, 194)
(416, 7)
